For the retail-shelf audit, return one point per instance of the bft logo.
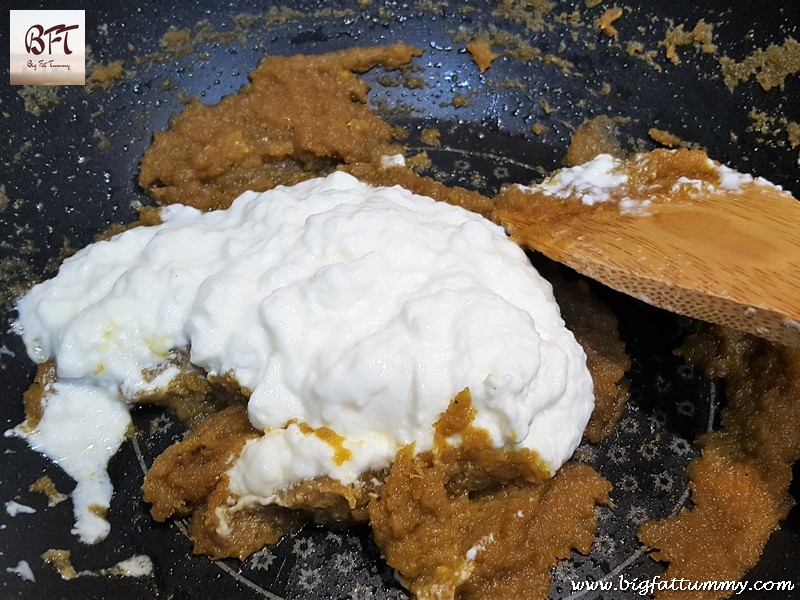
(48, 47)
(35, 38)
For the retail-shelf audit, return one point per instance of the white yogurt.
(81, 429)
(597, 180)
(592, 181)
(360, 309)
(23, 569)
(14, 508)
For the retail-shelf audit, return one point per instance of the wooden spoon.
(675, 230)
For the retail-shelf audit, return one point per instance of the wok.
(71, 171)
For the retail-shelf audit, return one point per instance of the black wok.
(71, 170)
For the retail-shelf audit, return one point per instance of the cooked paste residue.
(479, 522)
(740, 482)
(299, 116)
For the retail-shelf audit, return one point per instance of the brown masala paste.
(478, 522)
(298, 117)
(740, 482)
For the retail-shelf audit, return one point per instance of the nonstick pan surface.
(69, 169)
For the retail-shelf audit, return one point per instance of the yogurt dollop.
(360, 309)
(605, 177)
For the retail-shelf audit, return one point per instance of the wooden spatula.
(673, 229)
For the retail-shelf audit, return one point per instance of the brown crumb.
(529, 13)
(461, 101)
(793, 133)
(482, 54)
(98, 510)
(419, 161)
(520, 48)
(763, 123)
(103, 143)
(700, 37)
(431, 137)
(770, 67)
(34, 395)
(39, 99)
(61, 561)
(604, 22)
(44, 485)
(637, 50)
(104, 76)
(592, 3)
(177, 42)
(414, 83)
(665, 138)
(538, 129)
